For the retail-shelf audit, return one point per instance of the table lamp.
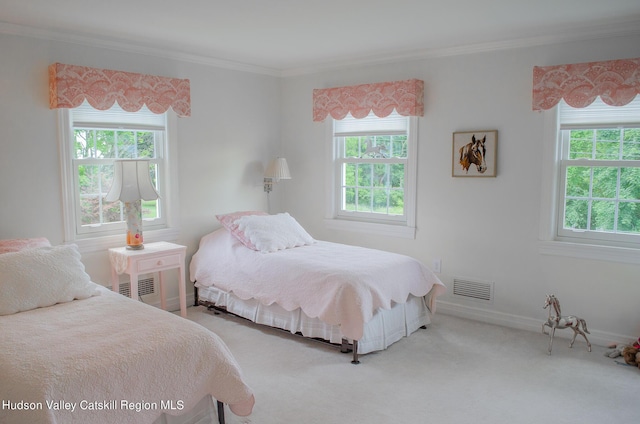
(131, 184)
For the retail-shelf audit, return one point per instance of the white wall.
(483, 228)
(223, 146)
(241, 120)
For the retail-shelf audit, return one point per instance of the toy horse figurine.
(559, 321)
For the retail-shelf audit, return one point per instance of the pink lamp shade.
(131, 183)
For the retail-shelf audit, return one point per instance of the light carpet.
(455, 371)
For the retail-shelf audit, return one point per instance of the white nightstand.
(155, 257)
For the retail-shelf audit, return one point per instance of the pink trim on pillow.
(228, 221)
(16, 245)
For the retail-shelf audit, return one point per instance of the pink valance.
(406, 97)
(70, 85)
(617, 82)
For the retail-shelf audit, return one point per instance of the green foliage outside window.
(374, 184)
(605, 197)
(95, 151)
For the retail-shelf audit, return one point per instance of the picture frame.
(474, 153)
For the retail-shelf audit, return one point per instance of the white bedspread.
(339, 284)
(109, 351)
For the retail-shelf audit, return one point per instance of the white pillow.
(229, 220)
(273, 232)
(35, 278)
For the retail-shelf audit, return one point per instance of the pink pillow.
(228, 221)
(16, 245)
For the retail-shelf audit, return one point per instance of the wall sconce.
(131, 183)
(276, 171)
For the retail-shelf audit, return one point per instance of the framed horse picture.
(475, 153)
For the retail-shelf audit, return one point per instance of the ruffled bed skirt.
(385, 328)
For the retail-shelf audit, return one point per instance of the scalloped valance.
(406, 97)
(617, 82)
(70, 85)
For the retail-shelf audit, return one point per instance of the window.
(374, 171)
(91, 141)
(599, 174)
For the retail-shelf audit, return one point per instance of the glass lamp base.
(133, 215)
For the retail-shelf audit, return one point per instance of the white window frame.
(371, 223)
(555, 241)
(113, 234)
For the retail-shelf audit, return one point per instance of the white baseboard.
(596, 337)
(519, 322)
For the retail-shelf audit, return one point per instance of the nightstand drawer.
(153, 264)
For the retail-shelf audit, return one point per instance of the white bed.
(368, 298)
(102, 357)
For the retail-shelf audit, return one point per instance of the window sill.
(590, 251)
(390, 230)
(97, 244)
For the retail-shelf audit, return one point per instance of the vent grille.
(145, 286)
(475, 290)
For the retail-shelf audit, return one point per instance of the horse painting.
(578, 325)
(473, 154)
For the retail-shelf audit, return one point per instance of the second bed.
(366, 298)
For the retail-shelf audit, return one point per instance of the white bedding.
(109, 350)
(339, 284)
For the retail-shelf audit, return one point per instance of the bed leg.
(213, 309)
(355, 353)
(195, 296)
(220, 412)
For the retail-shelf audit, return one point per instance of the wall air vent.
(145, 286)
(474, 290)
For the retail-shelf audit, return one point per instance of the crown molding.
(571, 34)
(618, 29)
(130, 47)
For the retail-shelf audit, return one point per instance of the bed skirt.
(385, 328)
